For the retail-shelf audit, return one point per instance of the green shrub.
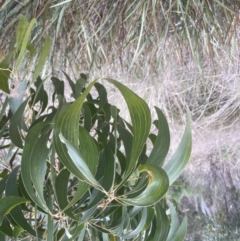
(77, 170)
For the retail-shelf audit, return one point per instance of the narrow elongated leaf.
(38, 165)
(33, 165)
(127, 139)
(90, 158)
(134, 233)
(102, 95)
(141, 122)
(157, 187)
(50, 224)
(108, 163)
(17, 95)
(40, 94)
(2, 112)
(3, 184)
(5, 72)
(43, 57)
(8, 203)
(2, 236)
(181, 232)
(174, 222)
(16, 213)
(61, 186)
(163, 222)
(16, 232)
(21, 31)
(181, 157)
(59, 88)
(4, 76)
(162, 142)
(80, 164)
(5, 228)
(124, 221)
(16, 124)
(25, 42)
(67, 124)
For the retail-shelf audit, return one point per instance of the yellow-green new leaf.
(43, 57)
(25, 42)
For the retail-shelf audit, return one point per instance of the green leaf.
(102, 95)
(181, 157)
(61, 186)
(16, 124)
(80, 164)
(181, 232)
(25, 42)
(162, 142)
(8, 203)
(141, 122)
(67, 123)
(33, 165)
(4, 76)
(16, 213)
(59, 88)
(43, 57)
(174, 221)
(158, 184)
(16, 232)
(134, 233)
(162, 221)
(50, 222)
(17, 95)
(5, 72)
(107, 162)
(40, 94)
(3, 182)
(21, 30)
(2, 236)
(5, 228)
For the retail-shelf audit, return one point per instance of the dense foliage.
(72, 168)
(76, 170)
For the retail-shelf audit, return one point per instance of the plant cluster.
(76, 170)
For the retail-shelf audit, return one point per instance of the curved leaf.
(25, 42)
(181, 157)
(43, 57)
(141, 122)
(67, 123)
(181, 232)
(157, 187)
(8, 203)
(162, 142)
(16, 124)
(134, 233)
(33, 165)
(176, 232)
(16, 213)
(80, 164)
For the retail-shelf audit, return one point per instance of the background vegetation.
(174, 54)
